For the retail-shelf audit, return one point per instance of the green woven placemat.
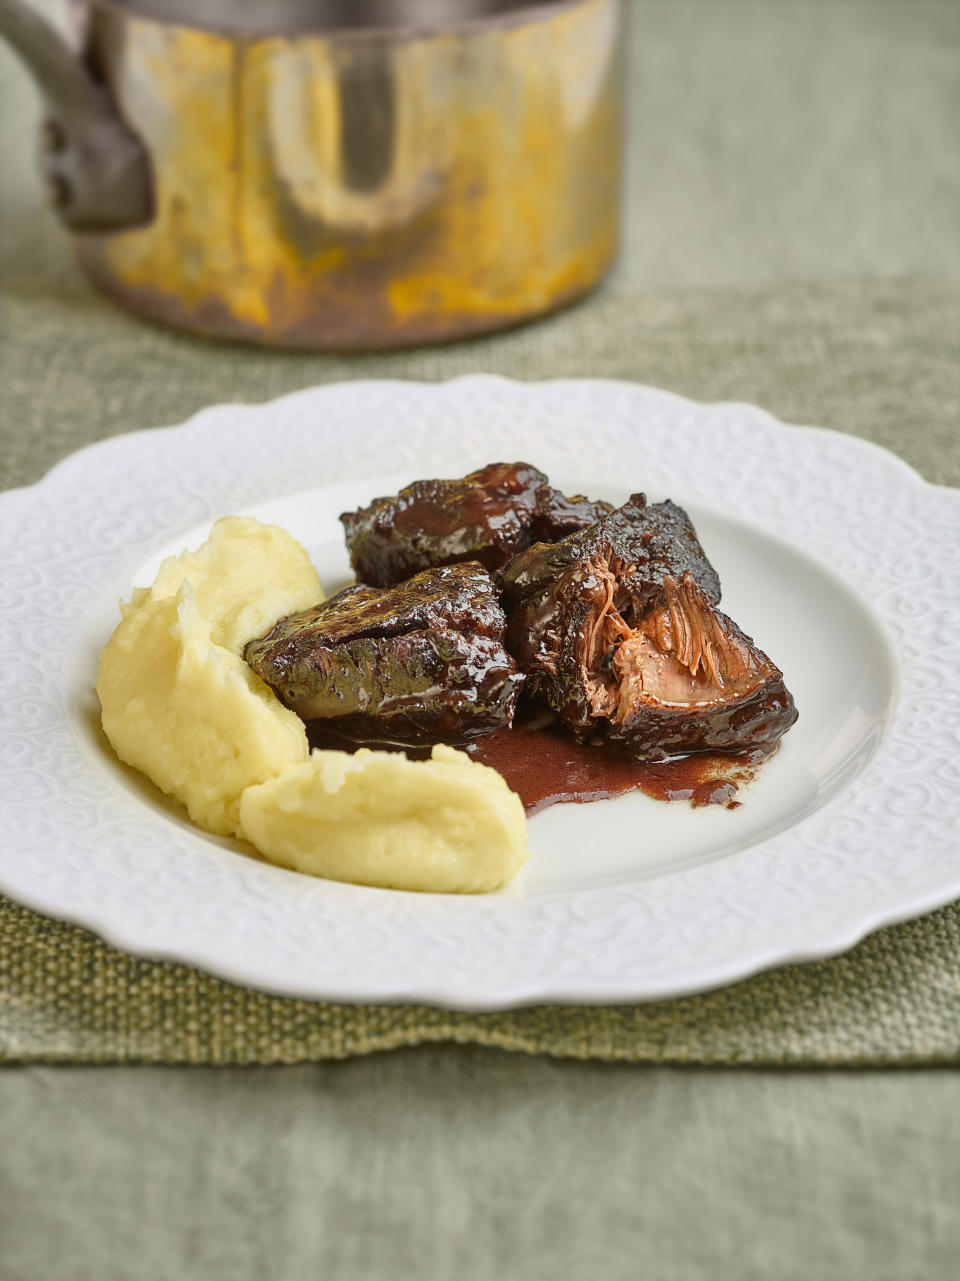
(66, 996)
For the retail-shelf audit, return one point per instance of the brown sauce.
(545, 766)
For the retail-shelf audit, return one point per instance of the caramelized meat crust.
(566, 601)
(487, 516)
(619, 632)
(418, 663)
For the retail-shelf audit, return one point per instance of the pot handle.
(97, 170)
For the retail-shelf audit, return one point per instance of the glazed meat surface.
(488, 516)
(618, 630)
(558, 596)
(418, 663)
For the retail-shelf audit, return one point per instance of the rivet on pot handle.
(97, 171)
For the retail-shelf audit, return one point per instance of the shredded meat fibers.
(618, 630)
(688, 679)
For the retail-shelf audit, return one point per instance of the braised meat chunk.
(488, 516)
(685, 678)
(419, 663)
(563, 600)
(618, 630)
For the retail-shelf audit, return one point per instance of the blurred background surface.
(767, 142)
(791, 209)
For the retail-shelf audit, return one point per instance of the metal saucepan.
(333, 173)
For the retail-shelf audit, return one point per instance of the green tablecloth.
(792, 239)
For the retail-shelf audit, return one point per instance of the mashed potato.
(245, 577)
(448, 824)
(180, 704)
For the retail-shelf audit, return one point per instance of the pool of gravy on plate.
(545, 766)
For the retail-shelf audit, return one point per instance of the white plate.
(834, 555)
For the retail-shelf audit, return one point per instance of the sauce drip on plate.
(545, 766)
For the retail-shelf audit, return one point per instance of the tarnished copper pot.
(334, 173)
